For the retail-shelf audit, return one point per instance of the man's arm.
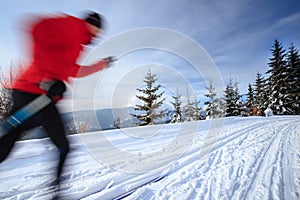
(100, 65)
(88, 70)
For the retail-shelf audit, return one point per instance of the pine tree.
(259, 92)
(196, 110)
(232, 99)
(188, 109)
(292, 103)
(250, 96)
(250, 101)
(149, 112)
(213, 103)
(221, 107)
(229, 99)
(277, 84)
(177, 108)
(191, 111)
(237, 100)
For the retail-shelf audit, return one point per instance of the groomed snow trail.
(252, 158)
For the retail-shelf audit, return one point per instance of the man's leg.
(53, 126)
(6, 144)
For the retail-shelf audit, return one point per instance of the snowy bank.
(249, 158)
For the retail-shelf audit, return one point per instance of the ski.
(129, 192)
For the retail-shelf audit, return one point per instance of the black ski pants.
(48, 118)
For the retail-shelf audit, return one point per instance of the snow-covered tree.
(292, 99)
(250, 101)
(268, 112)
(247, 106)
(177, 108)
(5, 102)
(188, 109)
(276, 81)
(238, 102)
(229, 99)
(191, 111)
(232, 99)
(6, 81)
(260, 95)
(149, 111)
(213, 104)
(197, 109)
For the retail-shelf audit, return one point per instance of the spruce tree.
(191, 111)
(237, 100)
(213, 103)
(292, 103)
(250, 101)
(188, 109)
(277, 74)
(196, 110)
(259, 92)
(148, 113)
(229, 98)
(177, 108)
(232, 99)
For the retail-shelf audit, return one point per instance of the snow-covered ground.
(248, 158)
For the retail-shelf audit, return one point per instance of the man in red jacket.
(56, 45)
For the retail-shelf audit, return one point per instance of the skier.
(56, 45)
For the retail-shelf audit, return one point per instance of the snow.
(268, 112)
(246, 158)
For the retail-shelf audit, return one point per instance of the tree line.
(279, 92)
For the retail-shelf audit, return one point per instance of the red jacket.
(56, 45)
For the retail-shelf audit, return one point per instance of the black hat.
(93, 18)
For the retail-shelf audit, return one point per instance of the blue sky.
(237, 34)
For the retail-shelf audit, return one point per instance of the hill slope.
(248, 158)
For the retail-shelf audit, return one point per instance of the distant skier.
(56, 46)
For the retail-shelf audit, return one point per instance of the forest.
(276, 93)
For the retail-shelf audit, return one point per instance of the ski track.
(252, 158)
(230, 171)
